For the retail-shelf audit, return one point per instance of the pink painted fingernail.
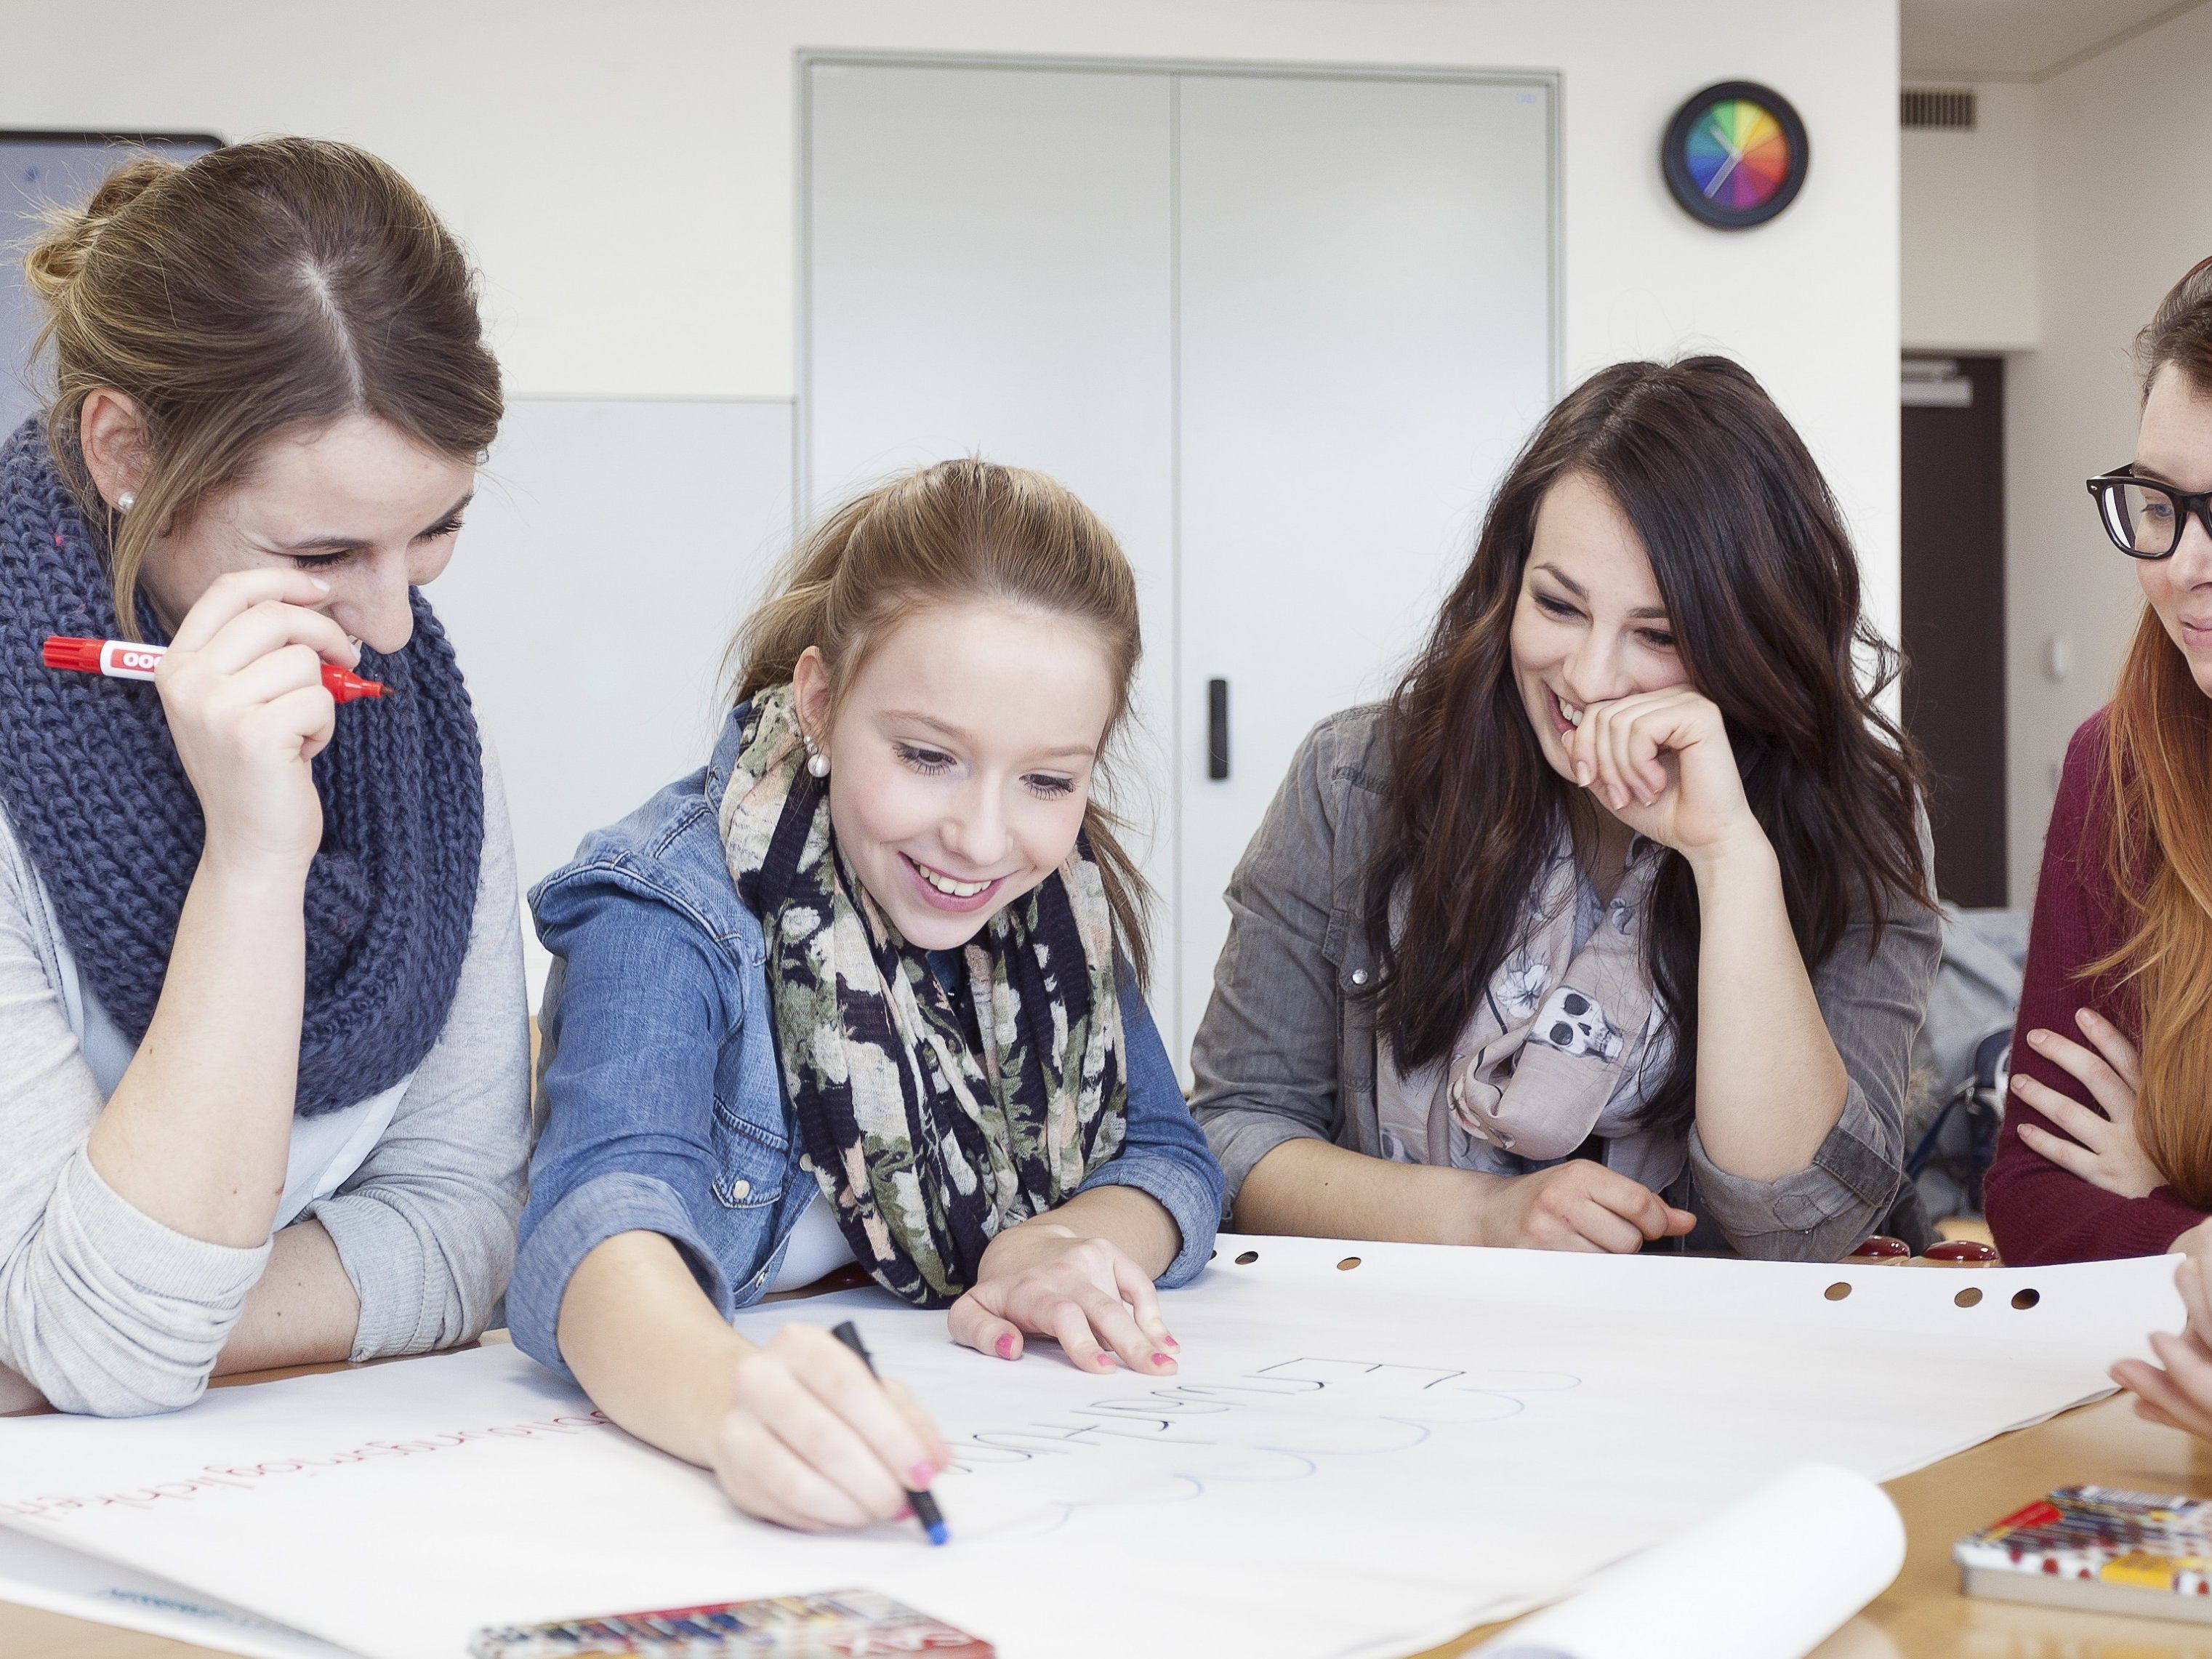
(1163, 1359)
(1170, 1342)
(921, 1475)
(905, 1513)
(1006, 1347)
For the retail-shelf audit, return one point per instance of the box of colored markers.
(2100, 1548)
(849, 1624)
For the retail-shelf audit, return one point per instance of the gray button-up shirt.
(1287, 1049)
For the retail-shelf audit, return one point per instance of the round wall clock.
(1735, 154)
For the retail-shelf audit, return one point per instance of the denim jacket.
(665, 1106)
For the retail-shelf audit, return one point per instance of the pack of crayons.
(849, 1624)
(2100, 1548)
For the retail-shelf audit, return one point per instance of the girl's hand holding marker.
(922, 1505)
(814, 1440)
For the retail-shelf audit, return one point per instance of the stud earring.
(817, 762)
(127, 500)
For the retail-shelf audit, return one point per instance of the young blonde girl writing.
(865, 989)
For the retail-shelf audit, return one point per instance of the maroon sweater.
(2037, 1212)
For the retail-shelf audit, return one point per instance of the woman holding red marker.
(263, 1048)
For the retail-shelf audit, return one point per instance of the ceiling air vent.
(1938, 109)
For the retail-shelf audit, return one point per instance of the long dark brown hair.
(1762, 592)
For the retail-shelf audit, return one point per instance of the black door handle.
(1217, 729)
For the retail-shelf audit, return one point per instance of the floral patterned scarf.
(1566, 1043)
(925, 1146)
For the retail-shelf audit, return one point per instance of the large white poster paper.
(40, 1574)
(1355, 1459)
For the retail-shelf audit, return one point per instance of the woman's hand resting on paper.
(813, 1440)
(2178, 1390)
(1576, 1206)
(1044, 1278)
(2103, 1151)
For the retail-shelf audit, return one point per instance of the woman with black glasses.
(2106, 1149)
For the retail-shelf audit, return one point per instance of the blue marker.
(925, 1506)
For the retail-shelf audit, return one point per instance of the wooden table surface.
(1921, 1616)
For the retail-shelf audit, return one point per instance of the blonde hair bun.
(261, 289)
(58, 258)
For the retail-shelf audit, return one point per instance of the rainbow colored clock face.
(1735, 154)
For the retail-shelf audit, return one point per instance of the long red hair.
(2156, 807)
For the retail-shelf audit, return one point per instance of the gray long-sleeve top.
(104, 1309)
(1287, 1047)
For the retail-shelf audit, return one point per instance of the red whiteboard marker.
(121, 660)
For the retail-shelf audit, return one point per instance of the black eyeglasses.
(2144, 518)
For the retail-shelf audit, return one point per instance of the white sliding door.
(988, 263)
(1366, 302)
(1282, 330)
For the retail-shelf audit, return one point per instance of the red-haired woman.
(2107, 1144)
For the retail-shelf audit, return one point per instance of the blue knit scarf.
(92, 785)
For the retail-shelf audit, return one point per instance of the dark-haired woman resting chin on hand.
(1616, 917)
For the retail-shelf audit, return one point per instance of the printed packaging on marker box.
(2100, 1548)
(847, 1623)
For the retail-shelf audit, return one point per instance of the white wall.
(2125, 207)
(625, 173)
(1968, 204)
(625, 176)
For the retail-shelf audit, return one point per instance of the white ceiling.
(2016, 39)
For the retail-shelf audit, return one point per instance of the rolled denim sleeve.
(635, 1013)
(616, 1201)
(1873, 997)
(1164, 1151)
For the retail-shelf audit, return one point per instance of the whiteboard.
(612, 549)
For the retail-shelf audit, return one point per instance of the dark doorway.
(1954, 612)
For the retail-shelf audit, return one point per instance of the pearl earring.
(817, 762)
(127, 500)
